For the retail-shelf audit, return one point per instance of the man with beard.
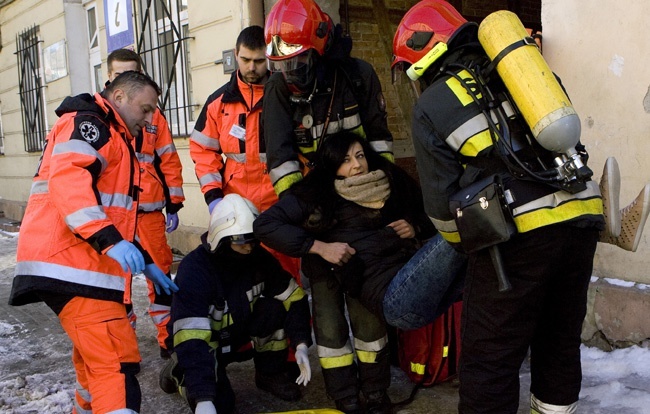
(229, 128)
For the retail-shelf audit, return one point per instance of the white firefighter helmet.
(232, 220)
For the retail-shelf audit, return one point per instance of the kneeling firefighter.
(479, 156)
(235, 301)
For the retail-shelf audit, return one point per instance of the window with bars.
(31, 89)
(162, 42)
(93, 47)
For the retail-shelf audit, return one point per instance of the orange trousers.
(105, 355)
(151, 235)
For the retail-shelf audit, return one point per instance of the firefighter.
(235, 303)
(548, 261)
(226, 144)
(76, 250)
(317, 90)
(161, 182)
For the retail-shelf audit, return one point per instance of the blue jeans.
(426, 286)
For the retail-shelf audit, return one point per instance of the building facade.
(50, 49)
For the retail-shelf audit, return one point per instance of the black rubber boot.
(378, 402)
(279, 384)
(350, 405)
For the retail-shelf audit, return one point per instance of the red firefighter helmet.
(426, 24)
(295, 26)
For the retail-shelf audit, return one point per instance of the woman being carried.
(356, 220)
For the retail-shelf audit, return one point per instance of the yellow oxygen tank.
(531, 83)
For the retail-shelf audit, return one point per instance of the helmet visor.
(298, 71)
(278, 48)
(298, 63)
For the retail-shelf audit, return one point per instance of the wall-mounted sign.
(119, 24)
(55, 62)
(229, 61)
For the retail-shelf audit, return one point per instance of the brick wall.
(372, 25)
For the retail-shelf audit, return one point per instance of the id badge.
(238, 132)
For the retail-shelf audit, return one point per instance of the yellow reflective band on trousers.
(190, 334)
(337, 361)
(272, 345)
(367, 357)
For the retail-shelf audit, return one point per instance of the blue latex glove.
(172, 222)
(213, 204)
(127, 255)
(159, 279)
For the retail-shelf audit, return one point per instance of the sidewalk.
(37, 376)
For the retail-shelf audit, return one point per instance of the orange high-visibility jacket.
(161, 177)
(229, 124)
(83, 200)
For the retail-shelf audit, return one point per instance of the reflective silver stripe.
(176, 191)
(278, 335)
(155, 206)
(70, 274)
(166, 149)
(160, 318)
(374, 346)
(148, 158)
(123, 411)
(39, 187)
(540, 407)
(206, 141)
(557, 198)
(240, 158)
(381, 146)
(288, 291)
(116, 200)
(155, 307)
(325, 352)
(255, 291)
(79, 147)
(84, 216)
(196, 323)
(80, 410)
(466, 131)
(83, 393)
(216, 314)
(285, 168)
(337, 125)
(448, 226)
(214, 177)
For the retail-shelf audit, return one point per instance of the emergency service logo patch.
(89, 131)
(152, 129)
(381, 101)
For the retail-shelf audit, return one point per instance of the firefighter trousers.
(549, 269)
(343, 375)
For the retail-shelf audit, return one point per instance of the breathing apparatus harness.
(569, 174)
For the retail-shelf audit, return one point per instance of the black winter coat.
(291, 227)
